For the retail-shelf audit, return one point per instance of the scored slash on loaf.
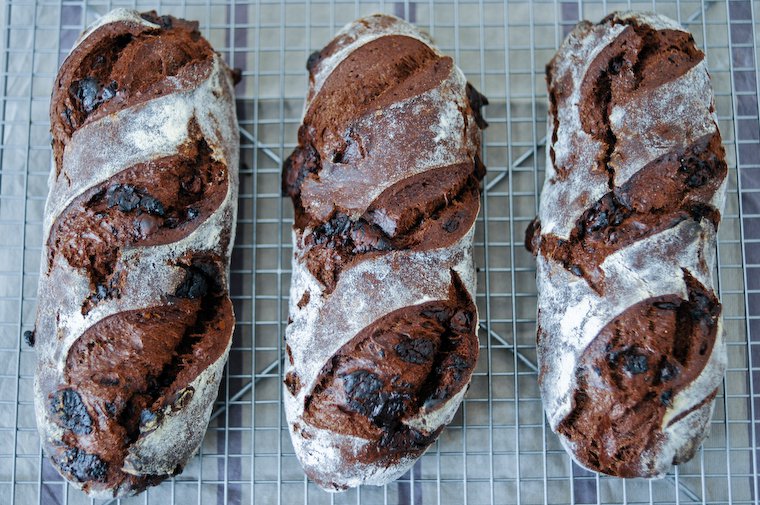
(134, 320)
(630, 342)
(382, 337)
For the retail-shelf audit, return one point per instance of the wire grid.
(498, 449)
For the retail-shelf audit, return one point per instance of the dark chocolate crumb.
(67, 406)
(451, 225)
(576, 270)
(192, 213)
(458, 364)
(666, 397)
(293, 383)
(415, 350)
(461, 322)
(29, 338)
(82, 466)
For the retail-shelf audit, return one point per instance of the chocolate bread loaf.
(385, 181)
(630, 342)
(134, 321)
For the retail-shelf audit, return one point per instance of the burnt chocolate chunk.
(361, 385)
(87, 93)
(385, 409)
(91, 93)
(149, 420)
(666, 397)
(335, 227)
(69, 410)
(125, 196)
(303, 161)
(313, 60)
(666, 305)
(415, 350)
(82, 466)
(366, 396)
(533, 236)
(405, 440)
(29, 338)
(152, 206)
(668, 371)
(198, 280)
(366, 237)
(635, 363)
(452, 224)
(165, 22)
(477, 101)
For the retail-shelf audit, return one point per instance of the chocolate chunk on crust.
(629, 375)
(406, 363)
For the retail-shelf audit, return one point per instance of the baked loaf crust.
(630, 342)
(385, 181)
(134, 321)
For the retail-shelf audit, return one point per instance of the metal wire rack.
(498, 448)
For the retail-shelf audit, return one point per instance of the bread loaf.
(134, 321)
(382, 338)
(630, 342)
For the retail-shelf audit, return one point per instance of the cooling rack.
(498, 449)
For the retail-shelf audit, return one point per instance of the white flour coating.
(328, 451)
(96, 152)
(139, 134)
(392, 152)
(119, 15)
(372, 288)
(157, 452)
(656, 21)
(571, 314)
(653, 123)
(574, 149)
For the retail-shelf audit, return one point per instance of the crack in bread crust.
(632, 371)
(385, 187)
(134, 320)
(628, 324)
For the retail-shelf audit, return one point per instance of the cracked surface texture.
(629, 333)
(134, 319)
(385, 183)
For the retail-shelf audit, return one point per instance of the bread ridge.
(97, 151)
(323, 321)
(571, 312)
